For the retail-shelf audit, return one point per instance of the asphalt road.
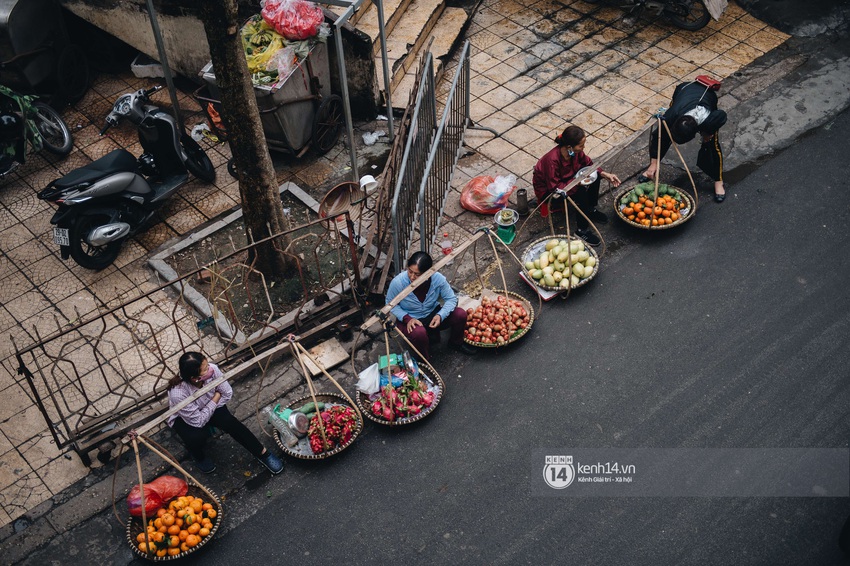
(731, 331)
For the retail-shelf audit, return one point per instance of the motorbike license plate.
(60, 236)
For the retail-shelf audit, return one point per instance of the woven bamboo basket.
(517, 334)
(437, 384)
(685, 213)
(302, 450)
(135, 526)
(536, 247)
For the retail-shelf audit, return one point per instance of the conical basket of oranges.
(179, 528)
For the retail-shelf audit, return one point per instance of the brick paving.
(535, 67)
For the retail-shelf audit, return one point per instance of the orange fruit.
(631, 216)
(167, 519)
(182, 535)
(655, 222)
(162, 552)
(211, 513)
(189, 498)
(641, 215)
(173, 541)
(642, 200)
(206, 506)
(657, 211)
(174, 530)
(162, 529)
(674, 216)
(665, 213)
(649, 203)
(193, 540)
(184, 547)
(194, 528)
(144, 548)
(173, 551)
(668, 221)
(204, 532)
(160, 512)
(178, 522)
(197, 505)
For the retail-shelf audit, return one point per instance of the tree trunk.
(262, 210)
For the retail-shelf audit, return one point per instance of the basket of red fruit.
(412, 393)
(499, 320)
(339, 428)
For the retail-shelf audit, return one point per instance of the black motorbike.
(690, 15)
(109, 200)
(26, 120)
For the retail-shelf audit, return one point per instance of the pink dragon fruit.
(428, 398)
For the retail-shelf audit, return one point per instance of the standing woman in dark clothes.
(693, 110)
(192, 421)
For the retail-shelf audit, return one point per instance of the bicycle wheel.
(55, 134)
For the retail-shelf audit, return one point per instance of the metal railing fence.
(97, 379)
(445, 152)
(421, 134)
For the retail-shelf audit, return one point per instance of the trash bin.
(288, 109)
(32, 34)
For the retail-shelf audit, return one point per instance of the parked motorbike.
(23, 119)
(690, 15)
(104, 203)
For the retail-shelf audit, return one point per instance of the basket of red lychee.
(498, 320)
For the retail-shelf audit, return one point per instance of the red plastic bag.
(157, 494)
(293, 19)
(153, 501)
(169, 487)
(486, 195)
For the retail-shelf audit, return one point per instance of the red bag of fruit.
(168, 487)
(293, 19)
(153, 501)
(157, 493)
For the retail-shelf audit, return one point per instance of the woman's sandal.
(720, 197)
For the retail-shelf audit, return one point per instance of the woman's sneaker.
(272, 462)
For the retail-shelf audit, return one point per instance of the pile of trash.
(280, 36)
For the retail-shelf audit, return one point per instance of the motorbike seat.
(116, 161)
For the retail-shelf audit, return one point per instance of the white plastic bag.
(283, 61)
(368, 381)
(502, 185)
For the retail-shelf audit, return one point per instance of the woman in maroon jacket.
(558, 167)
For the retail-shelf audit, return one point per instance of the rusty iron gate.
(97, 379)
